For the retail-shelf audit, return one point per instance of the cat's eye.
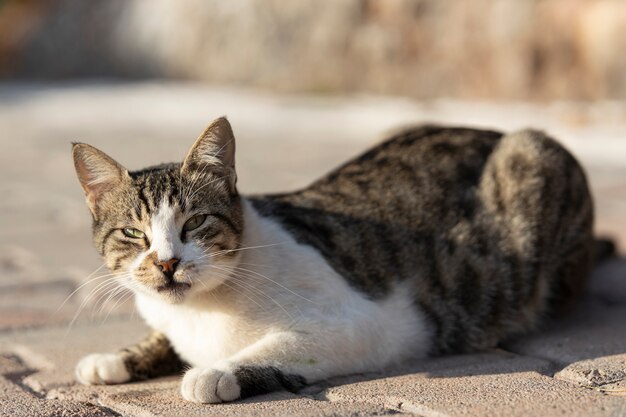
(134, 233)
(194, 222)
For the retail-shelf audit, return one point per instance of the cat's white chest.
(201, 338)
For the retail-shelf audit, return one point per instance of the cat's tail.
(603, 250)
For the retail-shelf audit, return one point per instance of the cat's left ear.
(97, 172)
(214, 148)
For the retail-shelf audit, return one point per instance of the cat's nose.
(168, 267)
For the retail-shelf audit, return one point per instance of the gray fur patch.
(255, 380)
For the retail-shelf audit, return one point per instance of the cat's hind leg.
(537, 197)
(150, 358)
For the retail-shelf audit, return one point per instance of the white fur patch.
(209, 386)
(101, 368)
(165, 233)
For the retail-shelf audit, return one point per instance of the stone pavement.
(576, 366)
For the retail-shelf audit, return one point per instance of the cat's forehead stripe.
(157, 185)
(144, 201)
(165, 183)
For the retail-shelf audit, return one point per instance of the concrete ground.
(575, 367)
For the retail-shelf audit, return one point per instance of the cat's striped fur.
(491, 231)
(438, 240)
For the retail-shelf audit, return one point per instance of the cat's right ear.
(216, 148)
(97, 172)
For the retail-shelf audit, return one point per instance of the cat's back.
(412, 179)
(367, 215)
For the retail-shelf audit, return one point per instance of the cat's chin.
(174, 293)
(174, 287)
(183, 293)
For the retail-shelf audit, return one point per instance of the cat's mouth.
(174, 287)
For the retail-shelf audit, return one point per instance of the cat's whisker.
(98, 303)
(246, 290)
(218, 253)
(128, 288)
(122, 295)
(249, 271)
(112, 292)
(87, 281)
(233, 277)
(119, 297)
(244, 284)
(100, 287)
(280, 292)
(253, 264)
(244, 294)
(245, 273)
(251, 247)
(100, 292)
(210, 291)
(228, 277)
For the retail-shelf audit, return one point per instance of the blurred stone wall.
(511, 49)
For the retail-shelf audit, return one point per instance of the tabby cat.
(438, 240)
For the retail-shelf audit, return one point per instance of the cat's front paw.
(210, 386)
(102, 368)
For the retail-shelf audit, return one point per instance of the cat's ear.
(215, 147)
(97, 172)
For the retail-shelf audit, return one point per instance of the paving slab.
(480, 385)
(52, 303)
(54, 351)
(593, 330)
(48, 356)
(162, 398)
(418, 388)
(596, 373)
(18, 401)
(36, 304)
(588, 347)
(11, 364)
(31, 298)
(20, 265)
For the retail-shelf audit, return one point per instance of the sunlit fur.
(284, 290)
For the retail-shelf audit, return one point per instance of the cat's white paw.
(102, 368)
(210, 386)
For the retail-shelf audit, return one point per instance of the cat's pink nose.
(168, 267)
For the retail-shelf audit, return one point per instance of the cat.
(439, 240)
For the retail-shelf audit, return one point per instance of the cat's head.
(172, 230)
